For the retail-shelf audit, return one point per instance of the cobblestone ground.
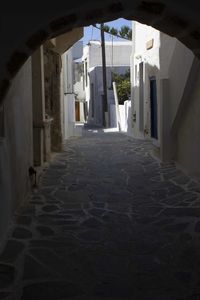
(107, 222)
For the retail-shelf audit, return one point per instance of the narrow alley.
(108, 221)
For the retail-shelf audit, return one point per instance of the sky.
(91, 33)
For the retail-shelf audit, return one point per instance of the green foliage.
(113, 31)
(126, 32)
(129, 35)
(106, 28)
(123, 85)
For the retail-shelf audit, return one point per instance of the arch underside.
(29, 28)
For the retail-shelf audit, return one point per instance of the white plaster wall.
(69, 97)
(188, 138)
(128, 112)
(143, 34)
(122, 118)
(16, 147)
(167, 59)
(179, 69)
(77, 50)
(167, 48)
(95, 77)
(117, 60)
(113, 117)
(78, 90)
(116, 55)
(69, 72)
(151, 63)
(69, 111)
(82, 117)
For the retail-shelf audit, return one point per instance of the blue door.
(154, 109)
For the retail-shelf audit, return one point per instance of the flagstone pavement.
(108, 221)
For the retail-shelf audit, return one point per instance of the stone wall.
(52, 75)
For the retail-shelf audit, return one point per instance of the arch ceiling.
(24, 29)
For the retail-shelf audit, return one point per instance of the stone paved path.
(108, 222)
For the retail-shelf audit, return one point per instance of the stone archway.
(30, 27)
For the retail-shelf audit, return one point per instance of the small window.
(2, 121)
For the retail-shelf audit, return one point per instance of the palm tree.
(113, 31)
(125, 32)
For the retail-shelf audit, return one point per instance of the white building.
(160, 72)
(80, 104)
(69, 100)
(117, 61)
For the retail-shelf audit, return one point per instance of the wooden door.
(77, 109)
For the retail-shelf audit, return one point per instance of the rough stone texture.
(7, 275)
(197, 227)
(50, 290)
(23, 220)
(4, 86)
(63, 22)
(94, 14)
(50, 208)
(4, 295)
(123, 226)
(11, 251)
(22, 233)
(37, 39)
(45, 231)
(115, 7)
(34, 270)
(152, 7)
(52, 69)
(16, 60)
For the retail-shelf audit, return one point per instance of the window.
(1, 121)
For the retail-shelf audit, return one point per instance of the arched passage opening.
(170, 19)
(32, 28)
(29, 28)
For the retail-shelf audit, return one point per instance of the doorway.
(141, 96)
(154, 108)
(77, 110)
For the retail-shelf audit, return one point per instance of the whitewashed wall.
(167, 59)
(68, 89)
(117, 54)
(16, 154)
